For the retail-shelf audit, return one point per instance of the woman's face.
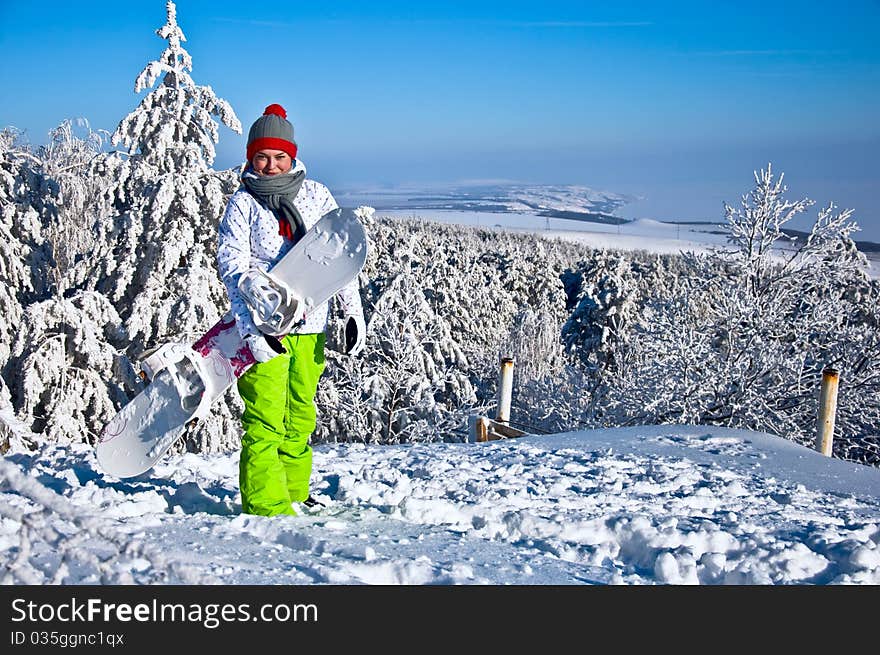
(271, 162)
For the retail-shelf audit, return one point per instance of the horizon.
(675, 104)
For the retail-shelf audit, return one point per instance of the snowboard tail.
(185, 381)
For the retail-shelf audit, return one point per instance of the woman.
(271, 211)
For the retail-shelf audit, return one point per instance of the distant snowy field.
(572, 212)
(640, 234)
(500, 197)
(642, 505)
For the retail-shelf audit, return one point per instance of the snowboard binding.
(158, 359)
(276, 310)
(181, 364)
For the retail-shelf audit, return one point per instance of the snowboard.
(185, 380)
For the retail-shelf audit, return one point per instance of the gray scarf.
(277, 193)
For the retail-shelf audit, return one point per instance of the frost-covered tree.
(161, 275)
(24, 194)
(410, 384)
(744, 341)
(607, 302)
(49, 342)
(533, 341)
(552, 390)
(173, 127)
(110, 254)
(478, 279)
(70, 371)
(67, 159)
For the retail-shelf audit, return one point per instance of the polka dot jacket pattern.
(249, 238)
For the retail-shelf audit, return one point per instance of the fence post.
(827, 411)
(478, 429)
(505, 390)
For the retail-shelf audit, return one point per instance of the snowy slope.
(642, 505)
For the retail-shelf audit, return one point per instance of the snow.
(643, 505)
(638, 506)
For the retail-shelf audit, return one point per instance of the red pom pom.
(278, 110)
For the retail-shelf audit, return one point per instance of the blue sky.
(678, 102)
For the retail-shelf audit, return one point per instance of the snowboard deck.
(328, 257)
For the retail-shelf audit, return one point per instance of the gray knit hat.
(271, 131)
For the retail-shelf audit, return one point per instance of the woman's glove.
(355, 334)
(264, 346)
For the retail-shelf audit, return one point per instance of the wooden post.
(482, 428)
(505, 390)
(478, 429)
(827, 411)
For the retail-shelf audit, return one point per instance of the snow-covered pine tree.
(173, 127)
(16, 245)
(663, 375)
(606, 305)
(27, 197)
(137, 227)
(487, 279)
(48, 342)
(155, 211)
(69, 370)
(478, 279)
(161, 272)
(61, 342)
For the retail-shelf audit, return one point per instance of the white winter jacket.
(249, 238)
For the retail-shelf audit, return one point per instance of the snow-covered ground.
(641, 505)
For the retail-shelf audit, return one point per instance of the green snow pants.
(279, 416)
